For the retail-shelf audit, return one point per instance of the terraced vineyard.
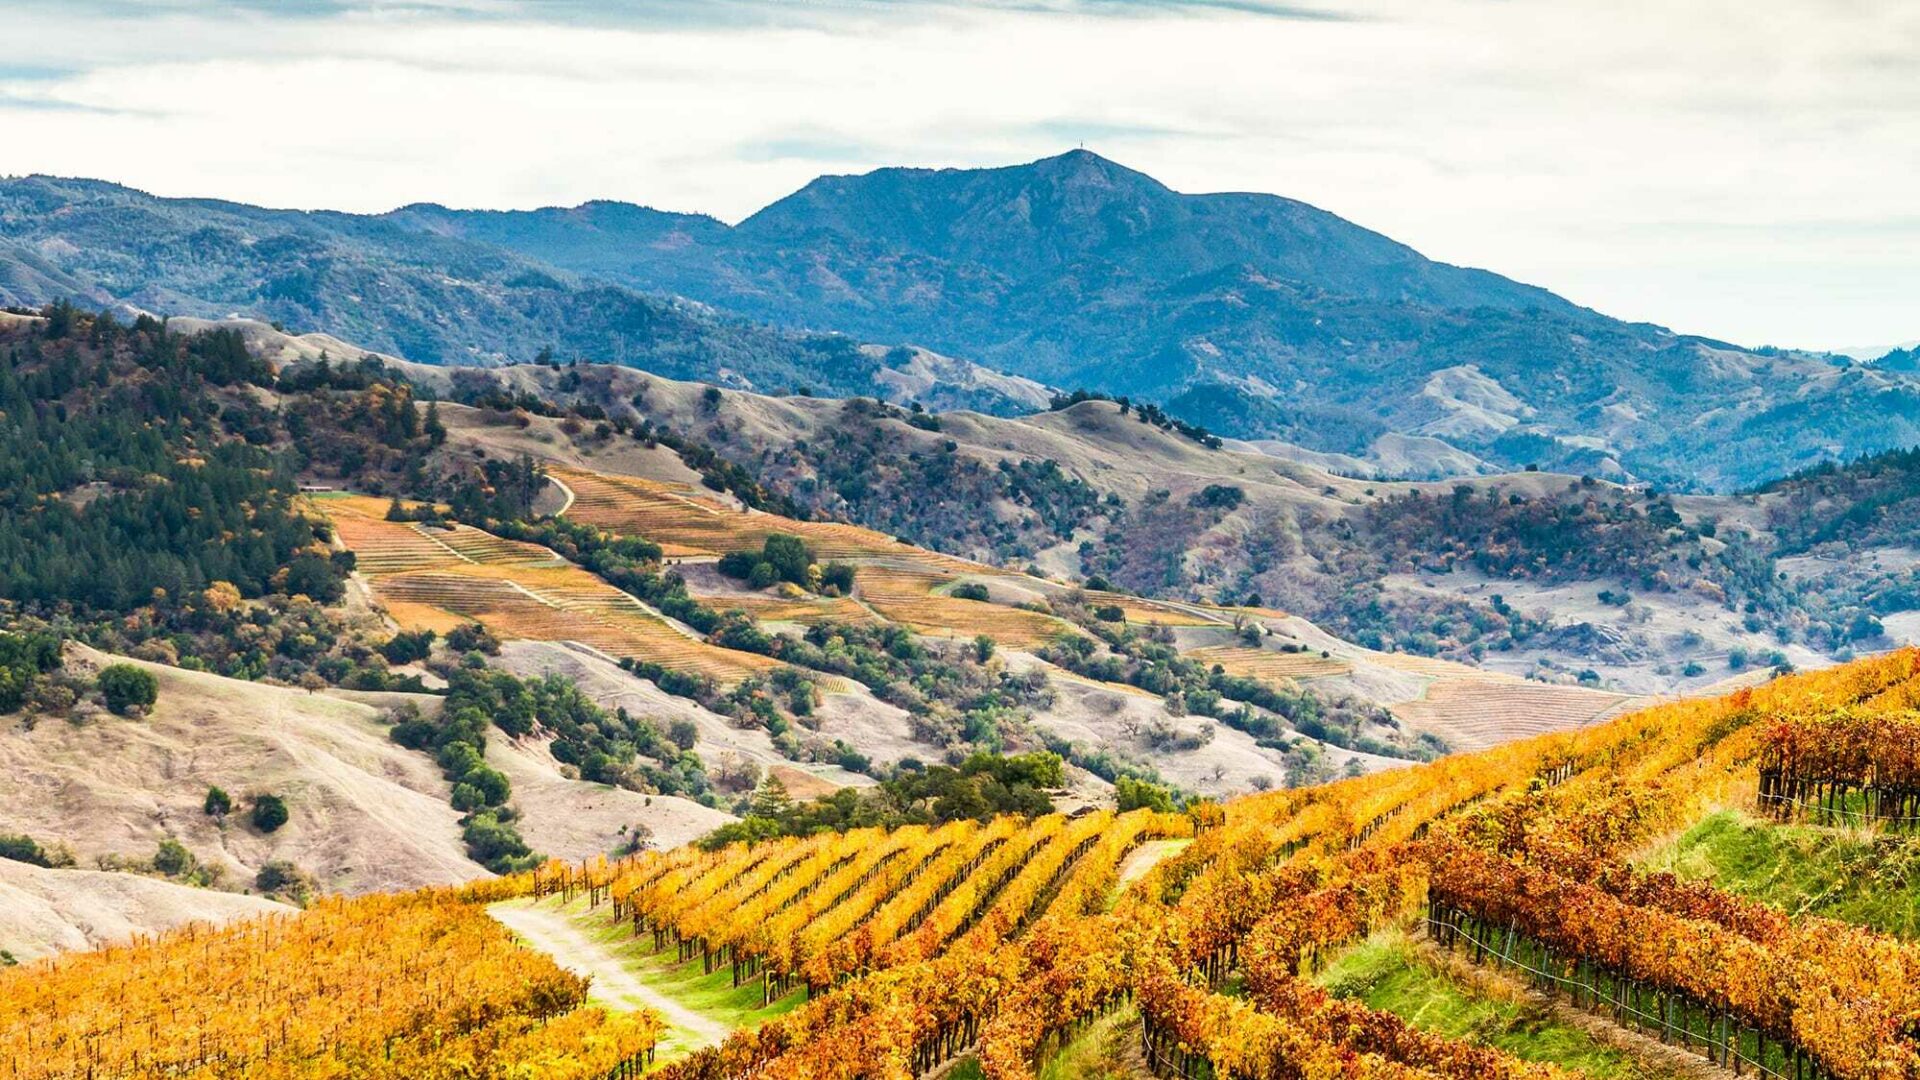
(381, 547)
(685, 523)
(430, 578)
(1270, 664)
(807, 612)
(895, 580)
(394, 547)
(672, 515)
(1153, 612)
(1477, 713)
(907, 597)
(998, 940)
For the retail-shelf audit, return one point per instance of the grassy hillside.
(364, 814)
(1854, 876)
(1392, 973)
(45, 911)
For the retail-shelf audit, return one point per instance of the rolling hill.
(1187, 679)
(1531, 574)
(565, 607)
(68, 910)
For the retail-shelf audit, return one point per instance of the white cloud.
(1736, 169)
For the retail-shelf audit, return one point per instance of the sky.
(1750, 171)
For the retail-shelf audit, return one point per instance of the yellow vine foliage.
(405, 985)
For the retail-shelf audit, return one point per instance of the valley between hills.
(1014, 573)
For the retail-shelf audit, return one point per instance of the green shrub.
(970, 590)
(284, 878)
(407, 648)
(781, 558)
(23, 849)
(316, 578)
(1219, 497)
(269, 812)
(683, 733)
(218, 803)
(837, 577)
(790, 557)
(1132, 794)
(737, 564)
(496, 844)
(23, 658)
(490, 783)
(473, 637)
(127, 687)
(173, 859)
(14, 683)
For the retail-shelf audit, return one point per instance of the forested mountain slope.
(365, 279)
(1255, 315)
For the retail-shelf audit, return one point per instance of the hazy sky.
(1747, 170)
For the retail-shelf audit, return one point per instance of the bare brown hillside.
(365, 814)
(47, 911)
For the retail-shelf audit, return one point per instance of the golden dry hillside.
(430, 576)
(364, 814)
(43, 911)
(435, 577)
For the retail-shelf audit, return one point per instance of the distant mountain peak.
(1081, 163)
(1259, 315)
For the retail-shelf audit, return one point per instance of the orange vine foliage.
(419, 984)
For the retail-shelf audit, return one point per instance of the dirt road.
(553, 933)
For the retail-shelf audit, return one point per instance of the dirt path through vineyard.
(553, 933)
(1144, 858)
